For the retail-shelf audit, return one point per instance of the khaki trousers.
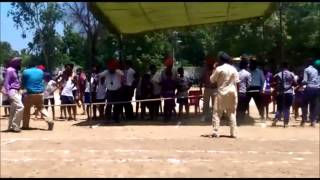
(16, 111)
(208, 95)
(34, 100)
(228, 103)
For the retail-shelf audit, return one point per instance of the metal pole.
(282, 56)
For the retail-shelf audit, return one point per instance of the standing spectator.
(95, 77)
(11, 89)
(88, 94)
(114, 77)
(32, 81)
(155, 80)
(285, 81)
(184, 85)
(298, 97)
(226, 77)
(256, 86)
(138, 96)
(67, 97)
(5, 99)
(210, 89)
(48, 95)
(147, 91)
(128, 88)
(81, 83)
(101, 95)
(312, 92)
(168, 86)
(245, 79)
(266, 92)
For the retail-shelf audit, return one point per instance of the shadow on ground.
(191, 120)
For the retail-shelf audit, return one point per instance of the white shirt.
(101, 90)
(67, 89)
(226, 77)
(129, 76)
(114, 80)
(49, 91)
(88, 85)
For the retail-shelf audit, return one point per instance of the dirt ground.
(156, 149)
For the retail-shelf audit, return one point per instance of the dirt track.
(156, 149)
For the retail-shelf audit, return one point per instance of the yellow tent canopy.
(137, 17)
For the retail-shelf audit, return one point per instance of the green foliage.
(6, 52)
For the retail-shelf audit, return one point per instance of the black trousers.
(243, 103)
(127, 94)
(113, 96)
(257, 97)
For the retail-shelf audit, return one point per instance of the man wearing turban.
(226, 77)
(12, 86)
(168, 86)
(113, 77)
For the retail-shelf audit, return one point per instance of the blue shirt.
(311, 77)
(32, 80)
(257, 78)
(288, 83)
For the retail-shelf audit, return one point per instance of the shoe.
(15, 130)
(313, 124)
(285, 126)
(215, 135)
(50, 126)
(302, 124)
(25, 128)
(274, 123)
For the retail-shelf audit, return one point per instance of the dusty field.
(156, 149)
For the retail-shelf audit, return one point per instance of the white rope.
(118, 102)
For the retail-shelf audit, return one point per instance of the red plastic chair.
(194, 101)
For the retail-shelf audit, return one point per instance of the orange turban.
(168, 61)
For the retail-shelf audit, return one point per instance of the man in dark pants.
(312, 92)
(256, 86)
(245, 80)
(128, 88)
(114, 77)
(285, 81)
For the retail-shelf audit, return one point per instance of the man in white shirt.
(114, 78)
(128, 89)
(226, 77)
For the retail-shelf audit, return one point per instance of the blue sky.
(12, 35)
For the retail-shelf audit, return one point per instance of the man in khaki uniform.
(226, 77)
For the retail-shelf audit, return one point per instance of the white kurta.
(226, 77)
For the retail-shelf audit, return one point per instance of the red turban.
(113, 64)
(209, 60)
(168, 61)
(41, 67)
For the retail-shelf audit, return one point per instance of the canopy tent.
(138, 17)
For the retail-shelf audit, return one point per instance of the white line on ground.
(168, 160)
(65, 151)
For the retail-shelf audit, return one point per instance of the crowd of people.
(225, 85)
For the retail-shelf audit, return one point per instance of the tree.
(6, 52)
(41, 17)
(79, 14)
